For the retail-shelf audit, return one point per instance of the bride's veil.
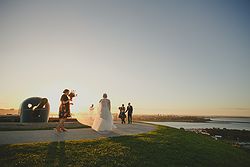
(88, 117)
(101, 118)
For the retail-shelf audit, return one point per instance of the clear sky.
(189, 57)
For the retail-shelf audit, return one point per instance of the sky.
(164, 56)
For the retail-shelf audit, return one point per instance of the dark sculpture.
(35, 109)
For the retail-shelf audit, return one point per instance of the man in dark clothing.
(130, 112)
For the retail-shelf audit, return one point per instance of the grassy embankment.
(162, 147)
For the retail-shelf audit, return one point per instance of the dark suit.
(130, 112)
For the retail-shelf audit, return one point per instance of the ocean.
(216, 122)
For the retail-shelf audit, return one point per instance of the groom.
(130, 111)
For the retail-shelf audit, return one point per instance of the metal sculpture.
(35, 109)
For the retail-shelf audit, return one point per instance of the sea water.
(216, 122)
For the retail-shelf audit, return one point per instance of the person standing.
(130, 112)
(91, 112)
(104, 120)
(122, 108)
(122, 114)
(91, 108)
(64, 110)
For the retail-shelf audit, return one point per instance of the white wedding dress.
(103, 120)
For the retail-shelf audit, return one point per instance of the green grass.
(162, 147)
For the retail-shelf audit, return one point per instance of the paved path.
(17, 137)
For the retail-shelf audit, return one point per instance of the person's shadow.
(56, 154)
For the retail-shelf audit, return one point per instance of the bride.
(103, 121)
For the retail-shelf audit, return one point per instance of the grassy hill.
(162, 147)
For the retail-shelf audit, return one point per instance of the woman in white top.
(103, 121)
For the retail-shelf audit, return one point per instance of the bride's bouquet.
(72, 94)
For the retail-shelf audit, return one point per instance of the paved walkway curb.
(18, 137)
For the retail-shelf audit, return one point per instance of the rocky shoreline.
(238, 138)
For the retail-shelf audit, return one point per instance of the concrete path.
(18, 137)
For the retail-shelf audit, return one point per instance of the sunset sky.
(188, 57)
